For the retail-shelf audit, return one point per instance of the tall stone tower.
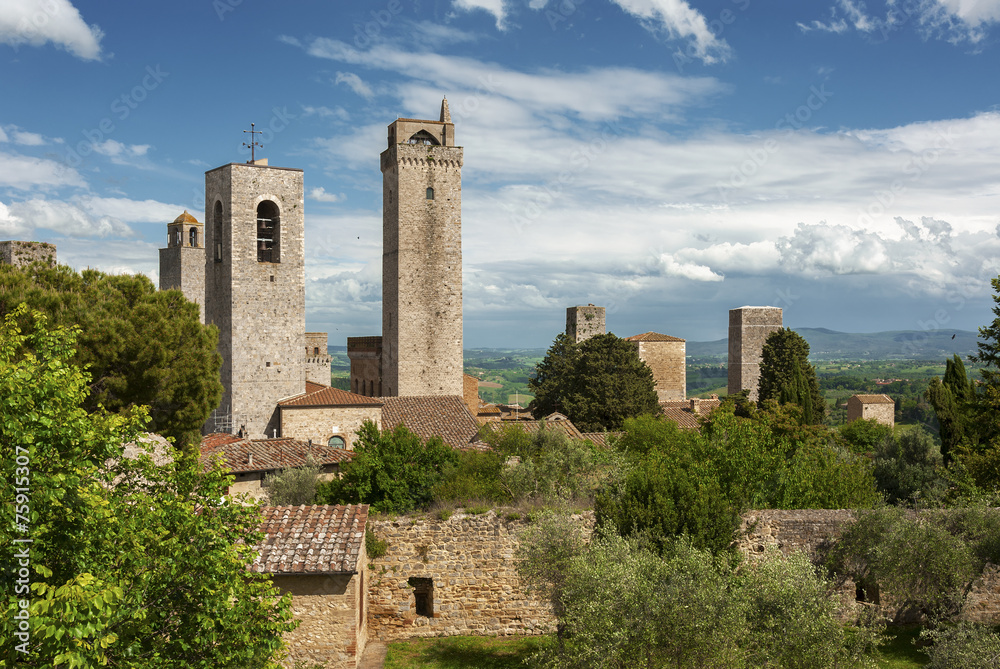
(182, 263)
(255, 289)
(422, 258)
(748, 329)
(582, 323)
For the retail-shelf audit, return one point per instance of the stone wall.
(319, 423)
(584, 322)
(333, 627)
(470, 393)
(748, 329)
(421, 262)
(883, 411)
(318, 358)
(21, 254)
(183, 268)
(668, 362)
(365, 354)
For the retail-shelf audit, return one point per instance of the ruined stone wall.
(748, 329)
(321, 423)
(259, 307)
(582, 323)
(22, 254)
(422, 269)
(333, 628)
(668, 362)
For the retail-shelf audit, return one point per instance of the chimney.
(695, 405)
(249, 459)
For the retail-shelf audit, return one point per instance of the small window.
(336, 442)
(177, 237)
(268, 232)
(430, 193)
(315, 350)
(193, 237)
(217, 225)
(423, 593)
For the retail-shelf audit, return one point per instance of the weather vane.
(253, 142)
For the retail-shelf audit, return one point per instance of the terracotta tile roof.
(445, 416)
(328, 397)
(489, 410)
(312, 387)
(262, 455)
(874, 399)
(217, 439)
(652, 336)
(681, 413)
(319, 539)
(533, 426)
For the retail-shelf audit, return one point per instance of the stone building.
(748, 329)
(182, 263)
(666, 357)
(582, 323)
(317, 358)
(880, 407)
(421, 343)
(317, 554)
(22, 254)
(365, 354)
(255, 288)
(328, 416)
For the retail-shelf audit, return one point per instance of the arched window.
(193, 237)
(424, 137)
(268, 232)
(336, 441)
(177, 237)
(217, 228)
(430, 193)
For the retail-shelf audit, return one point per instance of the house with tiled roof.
(687, 413)
(317, 554)
(445, 416)
(665, 356)
(327, 415)
(879, 407)
(251, 460)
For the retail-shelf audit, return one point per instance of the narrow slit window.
(193, 237)
(430, 193)
(217, 224)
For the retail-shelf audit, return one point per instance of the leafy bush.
(907, 469)
(864, 435)
(374, 546)
(963, 646)
(293, 486)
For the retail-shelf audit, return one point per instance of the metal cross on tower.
(253, 142)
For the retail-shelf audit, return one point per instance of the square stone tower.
(22, 254)
(666, 357)
(422, 258)
(182, 263)
(582, 323)
(255, 289)
(748, 329)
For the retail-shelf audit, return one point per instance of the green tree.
(140, 346)
(865, 435)
(392, 470)
(597, 383)
(787, 376)
(130, 564)
(953, 399)
(293, 486)
(907, 469)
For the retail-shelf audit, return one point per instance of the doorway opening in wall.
(423, 593)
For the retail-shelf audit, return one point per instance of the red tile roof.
(320, 539)
(652, 336)
(312, 387)
(874, 399)
(261, 455)
(328, 397)
(445, 416)
(680, 411)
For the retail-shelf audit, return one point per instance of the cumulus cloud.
(65, 218)
(320, 195)
(494, 7)
(36, 22)
(133, 211)
(355, 83)
(680, 21)
(25, 172)
(119, 152)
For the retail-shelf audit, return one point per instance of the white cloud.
(338, 113)
(680, 21)
(354, 82)
(320, 195)
(35, 22)
(28, 138)
(25, 173)
(687, 270)
(133, 211)
(115, 149)
(952, 20)
(3, 136)
(65, 218)
(494, 7)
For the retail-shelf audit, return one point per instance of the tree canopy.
(787, 376)
(130, 564)
(139, 345)
(598, 383)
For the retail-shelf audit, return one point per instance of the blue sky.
(669, 160)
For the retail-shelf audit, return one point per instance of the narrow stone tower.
(182, 263)
(255, 290)
(748, 329)
(582, 323)
(422, 258)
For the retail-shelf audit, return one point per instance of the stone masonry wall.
(668, 362)
(748, 329)
(21, 254)
(883, 412)
(365, 354)
(183, 268)
(318, 423)
(583, 322)
(422, 269)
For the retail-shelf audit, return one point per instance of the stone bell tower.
(422, 258)
(255, 290)
(182, 263)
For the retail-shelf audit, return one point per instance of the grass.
(462, 652)
(899, 651)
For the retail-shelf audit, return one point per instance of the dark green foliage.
(989, 343)
(293, 486)
(906, 469)
(864, 435)
(598, 383)
(963, 646)
(140, 346)
(132, 565)
(375, 547)
(474, 476)
(787, 376)
(953, 399)
(393, 471)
